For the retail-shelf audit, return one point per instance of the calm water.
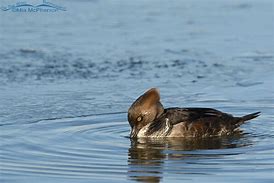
(68, 78)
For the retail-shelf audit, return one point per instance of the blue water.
(67, 79)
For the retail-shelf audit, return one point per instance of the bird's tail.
(243, 119)
(250, 116)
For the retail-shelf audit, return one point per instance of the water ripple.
(95, 148)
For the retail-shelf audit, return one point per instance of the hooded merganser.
(148, 118)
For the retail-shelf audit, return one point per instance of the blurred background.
(107, 52)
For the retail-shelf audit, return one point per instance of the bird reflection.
(146, 156)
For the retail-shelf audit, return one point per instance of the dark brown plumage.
(148, 118)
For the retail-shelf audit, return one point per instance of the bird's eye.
(140, 118)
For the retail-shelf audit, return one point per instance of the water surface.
(68, 78)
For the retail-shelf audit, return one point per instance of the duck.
(148, 118)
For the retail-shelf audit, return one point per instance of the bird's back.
(197, 122)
